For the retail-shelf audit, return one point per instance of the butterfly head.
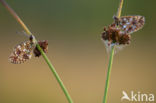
(32, 39)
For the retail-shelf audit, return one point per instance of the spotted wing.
(130, 24)
(21, 53)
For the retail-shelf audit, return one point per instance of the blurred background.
(73, 29)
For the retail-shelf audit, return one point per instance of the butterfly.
(23, 51)
(129, 24)
(118, 33)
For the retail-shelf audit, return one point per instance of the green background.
(73, 29)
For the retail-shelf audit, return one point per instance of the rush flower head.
(114, 36)
(44, 45)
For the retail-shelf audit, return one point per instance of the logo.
(137, 97)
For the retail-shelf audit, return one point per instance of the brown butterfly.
(130, 24)
(118, 33)
(24, 50)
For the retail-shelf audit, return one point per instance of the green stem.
(108, 74)
(55, 74)
(13, 13)
(111, 59)
(120, 8)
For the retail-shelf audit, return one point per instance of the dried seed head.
(44, 45)
(113, 35)
(124, 39)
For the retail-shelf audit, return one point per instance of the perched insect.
(24, 51)
(118, 33)
(129, 24)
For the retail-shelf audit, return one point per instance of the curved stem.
(13, 13)
(111, 59)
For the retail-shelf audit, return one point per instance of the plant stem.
(13, 13)
(55, 74)
(111, 59)
(108, 74)
(120, 8)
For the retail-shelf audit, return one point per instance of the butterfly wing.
(130, 24)
(21, 53)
